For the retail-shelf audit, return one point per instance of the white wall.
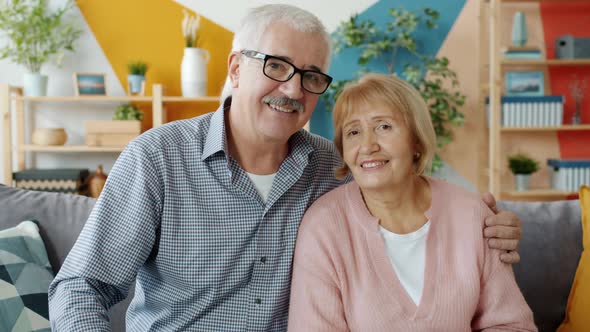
(87, 58)
(90, 58)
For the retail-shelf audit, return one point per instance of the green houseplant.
(127, 112)
(136, 76)
(522, 166)
(34, 36)
(430, 75)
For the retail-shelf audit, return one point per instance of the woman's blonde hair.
(401, 98)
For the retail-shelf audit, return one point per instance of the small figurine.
(97, 182)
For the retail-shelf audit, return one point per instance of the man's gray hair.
(254, 24)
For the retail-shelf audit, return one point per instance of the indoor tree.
(430, 75)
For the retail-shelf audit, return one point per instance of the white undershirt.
(262, 183)
(407, 253)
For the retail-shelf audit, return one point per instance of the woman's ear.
(233, 64)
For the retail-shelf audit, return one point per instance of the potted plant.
(35, 36)
(382, 45)
(522, 166)
(125, 126)
(193, 69)
(136, 76)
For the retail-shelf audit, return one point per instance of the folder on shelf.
(530, 111)
(569, 175)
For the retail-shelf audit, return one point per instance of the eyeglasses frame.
(265, 57)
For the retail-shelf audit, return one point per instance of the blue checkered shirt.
(180, 217)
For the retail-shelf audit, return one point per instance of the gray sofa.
(550, 248)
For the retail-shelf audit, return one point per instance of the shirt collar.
(216, 140)
(299, 144)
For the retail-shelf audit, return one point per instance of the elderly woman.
(396, 250)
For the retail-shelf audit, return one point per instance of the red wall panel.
(560, 19)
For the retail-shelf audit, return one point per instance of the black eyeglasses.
(282, 70)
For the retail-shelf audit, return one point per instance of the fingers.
(511, 257)
(490, 201)
(505, 218)
(508, 245)
(502, 232)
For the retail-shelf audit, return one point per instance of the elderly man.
(203, 213)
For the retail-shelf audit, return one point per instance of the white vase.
(35, 84)
(519, 30)
(193, 72)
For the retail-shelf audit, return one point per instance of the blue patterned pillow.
(25, 275)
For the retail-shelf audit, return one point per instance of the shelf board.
(84, 98)
(539, 193)
(114, 99)
(190, 99)
(557, 128)
(71, 148)
(549, 62)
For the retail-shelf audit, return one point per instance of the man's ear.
(233, 65)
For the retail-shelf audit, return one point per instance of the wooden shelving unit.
(494, 88)
(13, 103)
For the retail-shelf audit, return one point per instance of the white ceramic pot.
(49, 136)
(35, 84)
(522, 181)
(135, 82)
(193, 72)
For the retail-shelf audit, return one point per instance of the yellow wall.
(150, 30)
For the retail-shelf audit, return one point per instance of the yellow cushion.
(577, 314)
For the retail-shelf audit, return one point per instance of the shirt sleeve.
(115, 242)
(316, 302)
(501, 306)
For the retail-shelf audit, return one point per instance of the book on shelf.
(530, 111)
(522, 53)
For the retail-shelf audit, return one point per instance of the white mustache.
(284, 101)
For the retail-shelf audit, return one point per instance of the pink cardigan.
(343, 279)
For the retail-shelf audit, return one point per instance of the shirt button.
(263, 259)
(258, 301)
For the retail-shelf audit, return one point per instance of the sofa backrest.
(60, 217)
(550, 250)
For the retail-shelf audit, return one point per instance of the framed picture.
(525, 83)
(89, 84)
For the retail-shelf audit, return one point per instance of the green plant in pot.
(127, 112)
(522, 166)
(430, 75)
(136, 78)
(33, 36)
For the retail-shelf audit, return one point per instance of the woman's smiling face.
(378, 147)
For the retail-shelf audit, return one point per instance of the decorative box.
(570, 47)
(111, 132)
(569, 175)
(66, 180)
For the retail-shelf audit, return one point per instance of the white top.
(262, 183)
(407, 253)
